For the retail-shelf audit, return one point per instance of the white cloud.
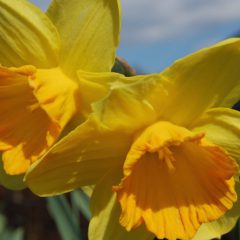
(154, 20)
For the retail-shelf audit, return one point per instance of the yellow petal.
(132, 102)
(80, 158)
(207, 78)
(94, 86)
(89, 31)
(222, 127)
(221, 226)
(57, 94)
(174, 181)
(26, 131)
(27, 35)
(106, 211)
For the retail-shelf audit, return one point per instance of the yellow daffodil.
(43, 58)
(162, 150)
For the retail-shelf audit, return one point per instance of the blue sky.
(157, 32)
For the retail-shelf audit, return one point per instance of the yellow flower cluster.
(161, 149)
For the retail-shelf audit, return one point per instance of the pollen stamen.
(166, 155)
(34, 107)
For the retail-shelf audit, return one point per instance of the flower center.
(36, 105)
(167, 156)
(174, 181)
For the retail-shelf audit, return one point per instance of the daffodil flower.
(162, 150)
(43, 58)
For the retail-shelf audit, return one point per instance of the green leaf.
(64, 218)
(81, 201)
(12, 234)
(7, 233)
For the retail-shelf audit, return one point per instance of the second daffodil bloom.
(162, 150)
(43, 58)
